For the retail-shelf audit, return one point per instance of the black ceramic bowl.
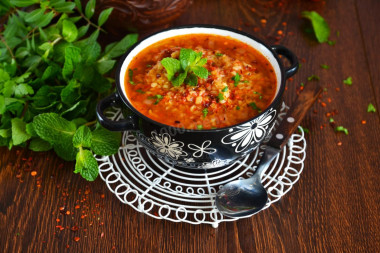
(204, 149)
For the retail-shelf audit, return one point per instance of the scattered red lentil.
(339, 143)
(323, 104)
(33, 173)
(76, 238)
(364, 122)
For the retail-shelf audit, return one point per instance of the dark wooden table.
(333, 208)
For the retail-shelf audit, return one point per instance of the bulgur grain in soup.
(240, 82)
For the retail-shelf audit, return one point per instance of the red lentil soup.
(240, 84)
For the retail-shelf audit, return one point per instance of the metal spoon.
(245, 197)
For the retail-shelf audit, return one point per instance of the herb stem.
(8, 48)
(92, 24)
(90, 123)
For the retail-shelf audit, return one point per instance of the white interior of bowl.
(199, 30)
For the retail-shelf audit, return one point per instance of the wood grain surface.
(334, 207)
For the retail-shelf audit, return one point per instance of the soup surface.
(239, 82)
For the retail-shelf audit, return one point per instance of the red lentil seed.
(76, 238)
(33, 173)
(339, 143)
(364, 122)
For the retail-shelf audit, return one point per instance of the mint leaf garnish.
(186, 69)
(172, 66)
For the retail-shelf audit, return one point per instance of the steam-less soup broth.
(240, 82)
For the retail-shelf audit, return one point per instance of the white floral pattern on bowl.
(251, 133)
(166, 146)
(200, 150)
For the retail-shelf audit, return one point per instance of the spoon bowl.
(242, 198)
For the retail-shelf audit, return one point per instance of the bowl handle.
(281, 50)
(129, 123)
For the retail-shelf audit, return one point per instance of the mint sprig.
(186, 69)
(73, 143)
(52, 74)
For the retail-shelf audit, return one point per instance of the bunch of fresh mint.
(52, 74)
(187, 69)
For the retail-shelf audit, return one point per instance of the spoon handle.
(295, 115)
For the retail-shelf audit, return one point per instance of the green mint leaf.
(23, 90)
(341, 129)
(199, 127)
(65, 149)
(191, 80)
(23, 3)
(320, 26)
(19, 134)
(53, 128)
(77, 110)
(313, 77)
(30, 129)
(82, 31)
(86, 165)
(6, 133)
(371, 108)
(78, 5)
(140, 91)
(205, 112)
(172, 66)
(348, 81)
(90, 9)
(121, 47)
(72, 58)
(70, 94)
(91, 53)
(237, 107)
(104, 142)
(105, 66)
(236, 79)
(324, 66)
(187, 57)
(69, 31)
(225, 89)
(104, 16)
(62, 6)
(82, 137)
(200, 71)
(34, 15)
(79, 121)
(179, 79)
(219, 54)
(201, 62)
(39, 145)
